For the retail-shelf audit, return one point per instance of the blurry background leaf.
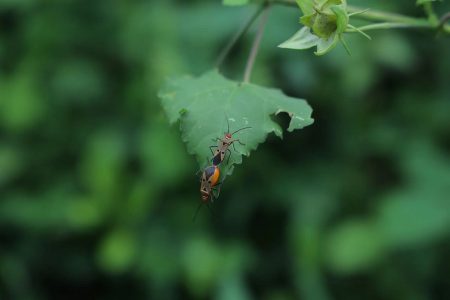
(117, 251)
(354, 246)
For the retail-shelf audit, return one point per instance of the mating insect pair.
(209, 180)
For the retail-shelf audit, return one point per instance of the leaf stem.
(256, 43)
(241, 32)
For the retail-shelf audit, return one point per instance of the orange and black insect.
(208, 180)
(209, 186)
(223, 145)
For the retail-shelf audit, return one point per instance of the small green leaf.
(341, 18)
(301, 40)
(354, 246)
(211, 99)
(235, 2)
(308, 20)
(326, 45)
(410, 219)
(306, 6)
(304, 39)
(330, 3)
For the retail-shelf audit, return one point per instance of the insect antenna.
(196, 211)
(241, 129)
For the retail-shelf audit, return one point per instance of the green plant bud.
(324, 25)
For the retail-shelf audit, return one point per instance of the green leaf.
(328, 4)
(354, 246)
(203, 104)
(306, 6)
(301, 40)
(234, 2)
(341, 17)
(304, 39)
(414, 218)
(326, 45)
(117, 251)
(308, 20)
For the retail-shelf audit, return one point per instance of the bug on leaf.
(208, 180)
(209, 186)
(223, 145)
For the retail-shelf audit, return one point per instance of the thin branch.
(256, 43)
(243, 30)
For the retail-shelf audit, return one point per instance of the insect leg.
(234, 148)
(241, 143)
(196, 211)
(229, 155)
(210, 148)
(217, 190)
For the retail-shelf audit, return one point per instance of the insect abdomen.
(217, 159)
(212, 174)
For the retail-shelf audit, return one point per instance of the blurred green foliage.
(97, 191)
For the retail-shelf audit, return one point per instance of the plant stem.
(243, 30)
(256, 43)
(394, 20)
